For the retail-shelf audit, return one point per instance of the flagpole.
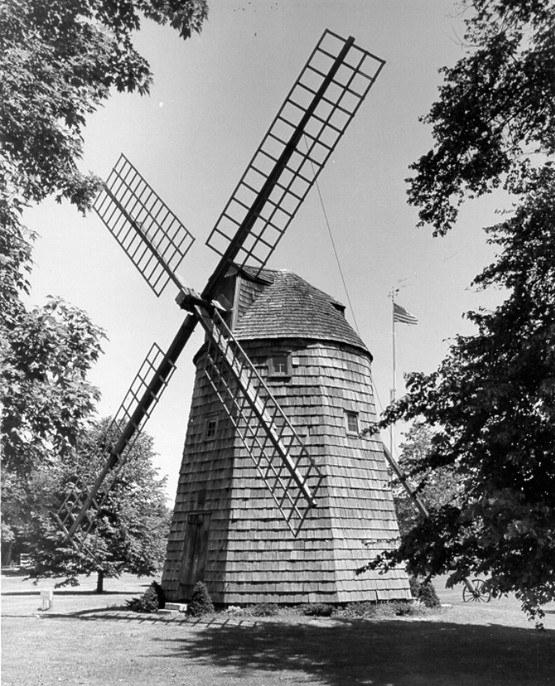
(398, 314)
(394, 371)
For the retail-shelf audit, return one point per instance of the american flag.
(401, 315)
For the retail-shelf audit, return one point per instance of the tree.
(491, 402)
(494, 124)
(49, 441)
(59, 61)
(433, 487)
(130, 523)
(47, 403)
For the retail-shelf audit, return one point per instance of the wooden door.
(194, 557)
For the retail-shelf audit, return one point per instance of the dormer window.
(279, 365)
(339, 307)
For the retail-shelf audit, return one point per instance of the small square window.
(351, 420)
(279, 365)
(210, 428)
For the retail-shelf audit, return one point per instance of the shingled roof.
(288, 307)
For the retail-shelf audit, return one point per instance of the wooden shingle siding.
(251, 556)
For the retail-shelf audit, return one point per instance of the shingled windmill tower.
(247, 461)
(227, 529)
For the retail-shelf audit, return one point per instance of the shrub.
(151, 601)
(235, 610)
(401, 608)
(160, 593)
(265, 610)
(201, 602)
(362, 609)
(424, 592)
(381, 610)
(318, 610)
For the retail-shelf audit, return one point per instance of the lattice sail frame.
(148, 231)
(305, 132)
(73, 515)
(289, 472)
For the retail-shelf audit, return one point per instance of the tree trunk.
(100, 582)
(7, 549)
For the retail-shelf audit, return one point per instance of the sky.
(213, 98)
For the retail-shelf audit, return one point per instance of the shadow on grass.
(121, 613)
(388, 653)
(342, 652)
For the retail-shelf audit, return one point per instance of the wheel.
(476, 591)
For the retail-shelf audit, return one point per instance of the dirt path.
(84, 640)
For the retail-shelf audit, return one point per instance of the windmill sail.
(305, 132)
(148, 231)
(116, 443)
(281, 459)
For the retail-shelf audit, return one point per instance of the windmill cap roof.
(287, 306)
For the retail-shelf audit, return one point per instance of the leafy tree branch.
(495, 119)
(491, 402)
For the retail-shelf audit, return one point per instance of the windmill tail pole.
(403, 479)
(415, 499)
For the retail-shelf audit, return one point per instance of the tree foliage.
(47, 402)
(131, 521)
(494, 123)
(434, 487)
(491, 403)
(50, 442)
(59, 61)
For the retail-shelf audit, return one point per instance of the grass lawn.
(86, 639)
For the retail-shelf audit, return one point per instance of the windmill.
(300, 140)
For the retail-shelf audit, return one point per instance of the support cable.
(328, 225)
